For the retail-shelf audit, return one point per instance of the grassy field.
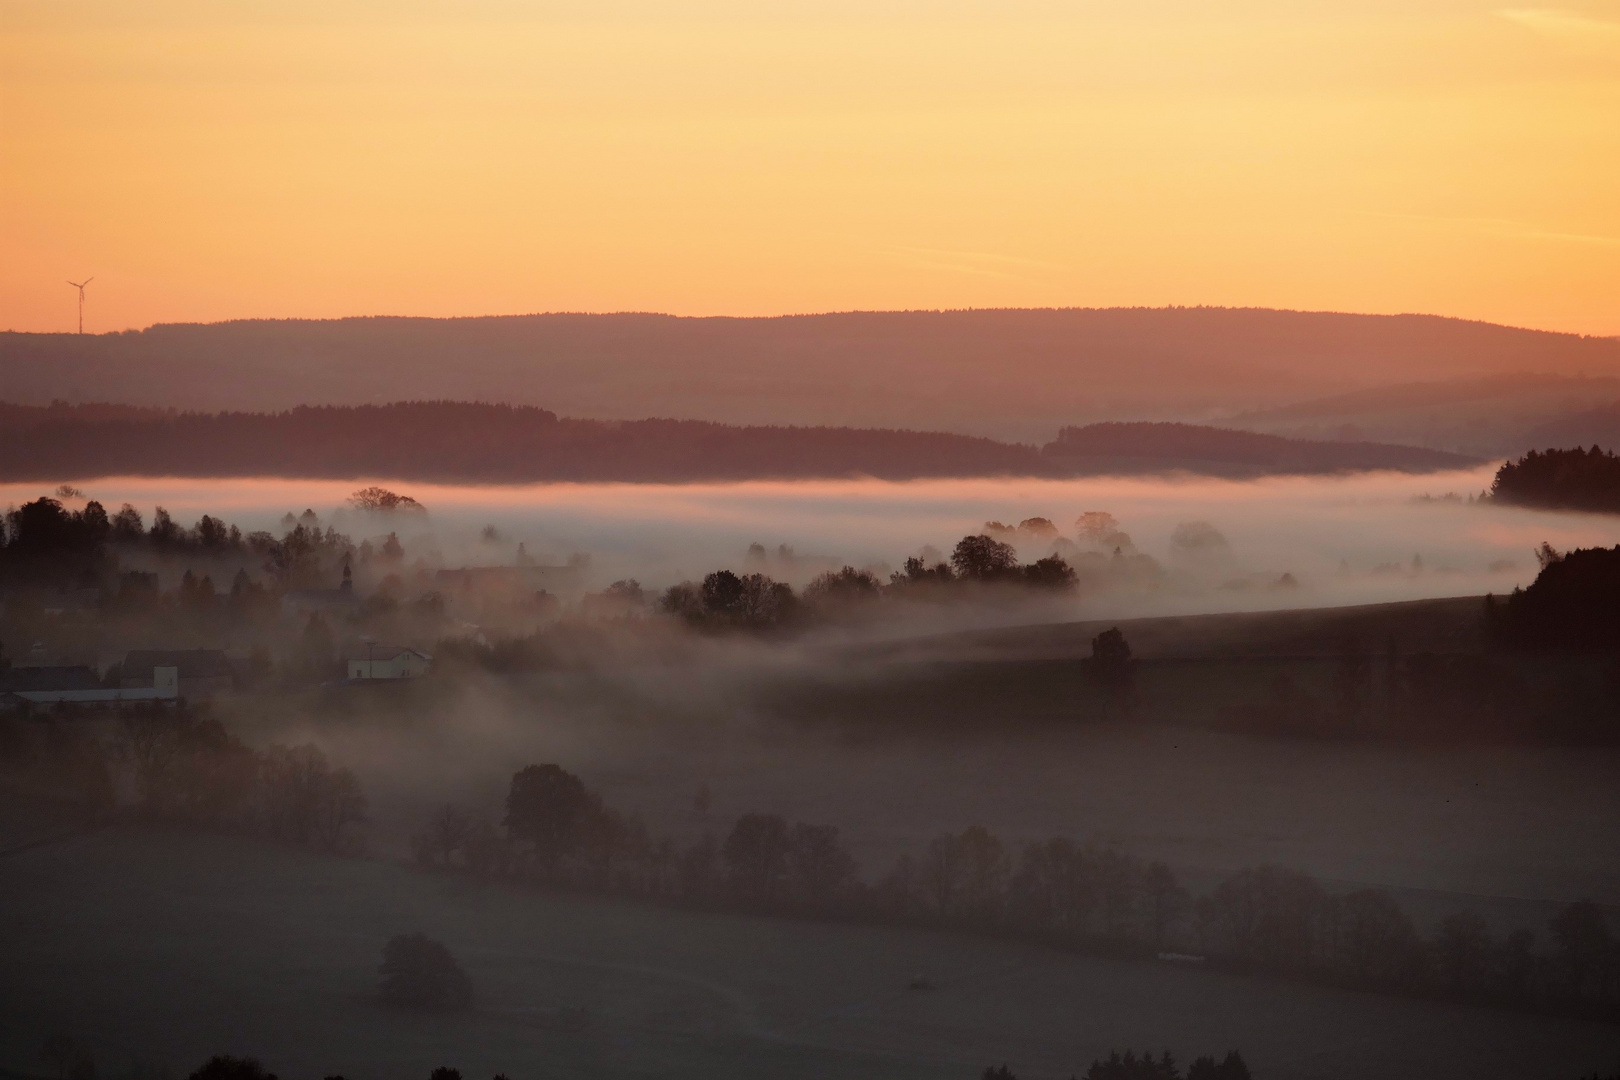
(1504, 824)
(1445, 625)
(167, 947)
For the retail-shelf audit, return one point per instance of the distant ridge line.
(1008, 373)
(791, 315)
(470, 442)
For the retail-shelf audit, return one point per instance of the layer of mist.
(1198, 545)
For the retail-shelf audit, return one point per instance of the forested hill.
(1148, 447)
(1011, 374)
(466, 442)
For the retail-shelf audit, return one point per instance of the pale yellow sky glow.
(219, 160)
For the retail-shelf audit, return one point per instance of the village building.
(338, 601)
(199, 673)
(372, 661)
(79, 685)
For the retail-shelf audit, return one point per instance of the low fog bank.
(1160, 546)
(1368, 762)
(690, 746)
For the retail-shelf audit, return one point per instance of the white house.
(370, 661)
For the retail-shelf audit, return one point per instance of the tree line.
(1576, 479)
(43, 544)
(1128, 1066)
(100, 572)
(473, 441)
(726, 600)
(556, 831)
(184, 768)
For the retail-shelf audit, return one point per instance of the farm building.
(372, 661)
(77, 684)
(200, 673)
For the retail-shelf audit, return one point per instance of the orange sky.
(208, 159)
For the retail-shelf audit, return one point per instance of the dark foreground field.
(165, 948)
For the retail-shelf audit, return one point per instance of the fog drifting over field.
(1344, 540)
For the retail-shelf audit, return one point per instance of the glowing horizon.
(302, 160)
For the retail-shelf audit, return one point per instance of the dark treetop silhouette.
(459, 441)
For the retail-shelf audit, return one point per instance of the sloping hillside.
(1497, 416)
(1151, 447)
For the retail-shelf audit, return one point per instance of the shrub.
(420, 973)
(227, 1067)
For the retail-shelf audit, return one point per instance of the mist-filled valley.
(1081, 729)
(667, 540)
(1193, 544)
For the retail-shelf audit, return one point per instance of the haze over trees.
(1491, 416)
(560, 833)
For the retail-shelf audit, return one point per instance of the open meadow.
(162, 948)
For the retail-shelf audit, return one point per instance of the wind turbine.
(80, 286)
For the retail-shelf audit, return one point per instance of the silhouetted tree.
(1462, 952)
(226, 1067)
(486, 851)
(964, 875)
(381, 500)
(917, 572)
(845, 586)
(698, 872)
(722, 593)
(980, 558)
(1585, 956)
(1054, 889)
(419, 973)
(1375, 940)
(127, 526)
(1165, 900)
(44, 544)
(307, 801)
(447, 832)
(548, 808)
(753, 602)
(1128, 1066)
(186, 766)
(756, 856)
(1572, 606)
(1231, 1067)
(819, 866)
(1265, 915)
(1051, 573)
(1111, 666)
